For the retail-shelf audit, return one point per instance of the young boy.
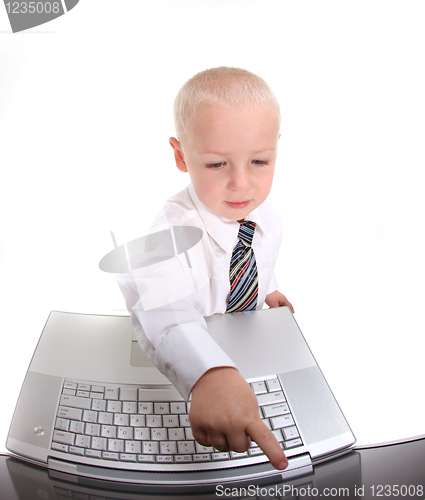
(227, 123)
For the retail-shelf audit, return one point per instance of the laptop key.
(220, 455)
(282, 421)
(161, 408)
(258, 387)
(75, 402)
(105, 418)
(116, 445)
(111, 393)
(98, 404)
(177, 408)
(82, 441)
(137, 420)
(76, 450)
(202, 449)
(277, 433)
(64, 437)
(158, 434)
(153, 421)
(170, 421)
(275, 410)
(184, 421)
(150, 447)
(83, 394)
(270, 398)
(176, 434)
(77, 427)
(128, 394)
(114, 406)
(188, 447)
(168, 448)
(290, 433)
(99, 443)
(125, 433)
(70, 413)
(92, 430)
(273, 385)
(180, 459)
(189, 433)
(70, 385)
(62, 424)
(69, 392)
(94, 453)
(60, 447)
(133, 447)
(293, 443)
(108, 431)
(129, 407)
(142, 434)
(122, 419)
(90, 416)
(254, 451)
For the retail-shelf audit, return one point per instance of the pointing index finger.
(263, 436)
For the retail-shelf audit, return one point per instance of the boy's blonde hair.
(234, 87)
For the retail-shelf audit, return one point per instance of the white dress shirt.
(168, 301)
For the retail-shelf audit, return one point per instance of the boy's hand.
(277, 299)
(224, 414)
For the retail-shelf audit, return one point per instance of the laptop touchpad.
(138, 358)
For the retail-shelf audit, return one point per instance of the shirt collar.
(223, 231)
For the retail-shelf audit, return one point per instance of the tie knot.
(246, 232)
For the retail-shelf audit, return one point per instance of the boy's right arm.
(224, 414)
(224, 410)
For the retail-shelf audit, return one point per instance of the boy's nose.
(239, 179)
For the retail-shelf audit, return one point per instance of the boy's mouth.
(238, 204)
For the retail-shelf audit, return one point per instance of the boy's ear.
(178, 154)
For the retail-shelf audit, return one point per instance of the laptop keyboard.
(112, 424)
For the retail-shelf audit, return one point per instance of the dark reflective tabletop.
(387, 471)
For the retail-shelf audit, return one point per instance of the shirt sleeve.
(168, 327)
(274, 285)
(174, 337)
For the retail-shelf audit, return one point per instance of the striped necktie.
(243, 272)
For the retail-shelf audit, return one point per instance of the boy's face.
(230, 155)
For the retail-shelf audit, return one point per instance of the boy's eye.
(223, 163)
(216, 165)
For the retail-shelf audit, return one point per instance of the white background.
(85, 117)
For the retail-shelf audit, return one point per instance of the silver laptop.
(92, 404)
